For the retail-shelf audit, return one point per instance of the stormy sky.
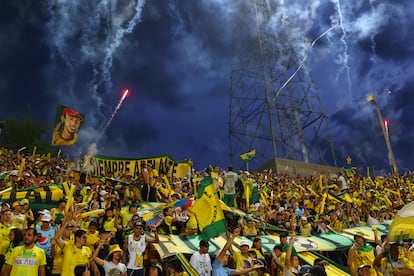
(176, 59)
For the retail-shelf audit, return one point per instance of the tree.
(29, 132)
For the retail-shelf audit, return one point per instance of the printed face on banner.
(67, 124)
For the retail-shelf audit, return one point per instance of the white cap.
(218, 252)
(45, 211)
(243, 243)
(46, 217)
(103, 192)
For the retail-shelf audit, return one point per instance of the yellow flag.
(246, 157)
(208, 211)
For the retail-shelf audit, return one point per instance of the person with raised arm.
(113, 266)
(220, 263)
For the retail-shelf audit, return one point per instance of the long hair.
(255, 240)
(80, 269)
(18, 237)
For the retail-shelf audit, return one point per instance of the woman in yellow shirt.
(109, 223)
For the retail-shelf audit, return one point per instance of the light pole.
(371, 98)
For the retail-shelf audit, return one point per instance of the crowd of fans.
(103, 233)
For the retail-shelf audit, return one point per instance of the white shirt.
(230, 179)
(135, 248)
(372, 221)
(201, 263)
(344, 185)
(113, 269)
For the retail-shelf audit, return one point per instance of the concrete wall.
(293, 167)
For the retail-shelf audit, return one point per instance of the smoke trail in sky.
(118, 106)
(120, 33)
(344, 58)
(302, 62)
(58, 31)
(291, 22)
(99, 28)
(373, 57)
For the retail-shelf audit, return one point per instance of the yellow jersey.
(73, 256)
(4, 237)
(26, 261)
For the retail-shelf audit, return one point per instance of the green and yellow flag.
(207, 210)
(246, 157)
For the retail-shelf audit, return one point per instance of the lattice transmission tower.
(268, 113)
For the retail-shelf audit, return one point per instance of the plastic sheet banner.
(367, 232)
(402, 227)
(173, 244)
(100, 165)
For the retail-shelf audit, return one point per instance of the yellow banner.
(102, 165)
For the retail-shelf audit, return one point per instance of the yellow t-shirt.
(281, 263)
(153, 174)
(364, 255)
(109, 225)
(73, 256)
(306, 229)
(84, 225)
(125, 217)
(168, 221)
(242, 261)
(4, 237)
(26, 261)
(19, 221)
(191, 224)
(57, 259)
(91, 239)
(258, 253)
(249, 231)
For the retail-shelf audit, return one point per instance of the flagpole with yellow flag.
(247, 156)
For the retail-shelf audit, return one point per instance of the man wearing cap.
(200, 260)
(17, 218)
(113, 266)
(135, 246)
(47, 233)
(5, 226)
(65, 132)
(26, 259)
(242, 258)
(360, 253)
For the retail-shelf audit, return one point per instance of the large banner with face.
(67, 124)
(102, 165)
